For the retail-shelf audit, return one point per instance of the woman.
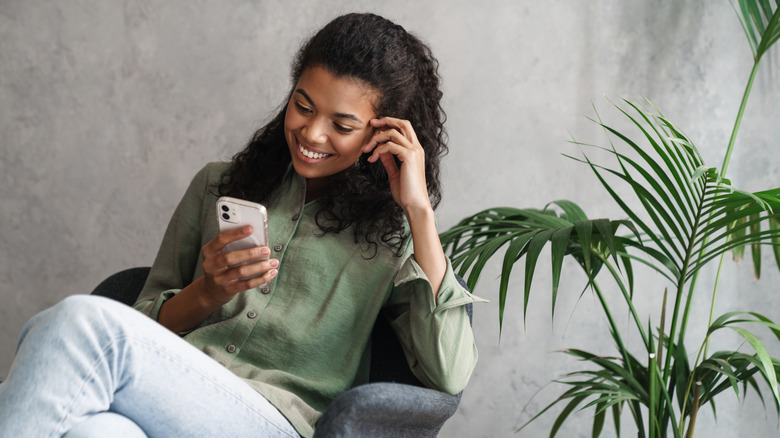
(348, 171)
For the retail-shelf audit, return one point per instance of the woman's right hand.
(221, 282)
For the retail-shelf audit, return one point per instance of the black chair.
(393, 404)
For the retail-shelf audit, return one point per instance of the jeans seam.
(82, 390)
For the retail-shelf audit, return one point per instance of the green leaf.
(774, 225)
(559, 244)
(616, 418)
(766, 366)
(598, 419)
(565, 414)
(755, 247)
(760, 24)
(534, 248)
(510, 257)
(584, 230)
(572, 211)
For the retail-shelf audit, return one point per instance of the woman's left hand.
(396, 138)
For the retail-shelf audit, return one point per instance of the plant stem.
(694, 410)
(652, 411)
(712, 305)
(724, 168)
(702, 348)
(627, 298)
(635, 408)
(661, 329)
(741, 111)
(678, 297)
(706, 343)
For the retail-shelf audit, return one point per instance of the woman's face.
(326, 123)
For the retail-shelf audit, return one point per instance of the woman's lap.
(90, 354)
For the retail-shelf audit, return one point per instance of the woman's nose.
(314, 132)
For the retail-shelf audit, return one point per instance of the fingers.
(234, 258)
(249, 276)
(217, 244)
(237, 271)
(403, 126)
(240, 285)
(395, 136)
(388, 142)
(228, 273)
(241, 264)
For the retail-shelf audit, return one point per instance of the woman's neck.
(315, 188)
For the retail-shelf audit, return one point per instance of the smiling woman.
(326, 125)
(285, 329)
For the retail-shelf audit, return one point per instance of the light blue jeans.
(95, 367)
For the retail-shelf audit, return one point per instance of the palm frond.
(689, 214)
(761, 24)
(524, 233)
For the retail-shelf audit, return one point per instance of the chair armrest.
(385, 409)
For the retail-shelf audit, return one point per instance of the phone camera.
(225, 215)
(225, 208)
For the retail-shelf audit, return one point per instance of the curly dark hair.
(402, 69)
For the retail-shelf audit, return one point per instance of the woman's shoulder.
(212, 172)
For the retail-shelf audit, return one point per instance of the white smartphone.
(235, 213)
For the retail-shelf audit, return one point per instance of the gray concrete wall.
(108, 108)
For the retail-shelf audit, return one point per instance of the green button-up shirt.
(303, 339)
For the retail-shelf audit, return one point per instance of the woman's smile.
(310, 154)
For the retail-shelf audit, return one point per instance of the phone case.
(235, 213)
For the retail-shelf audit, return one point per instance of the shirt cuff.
(152, 308)
(451, 292)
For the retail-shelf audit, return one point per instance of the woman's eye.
(302, 108)
(342, 128)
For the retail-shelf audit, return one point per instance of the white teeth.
(309, 153)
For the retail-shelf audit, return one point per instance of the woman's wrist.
(188, 308)
(418, 212)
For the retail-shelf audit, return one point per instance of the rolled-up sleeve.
(435, 332)
(178, 256)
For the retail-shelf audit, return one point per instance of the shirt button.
(296, 217)
(231, 348)
(278, 247)
(251, 314)
(265, 289)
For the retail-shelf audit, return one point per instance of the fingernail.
(274, 263)
(273, 272)
(247, 229)
(264, 251)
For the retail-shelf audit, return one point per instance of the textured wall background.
(109, 108)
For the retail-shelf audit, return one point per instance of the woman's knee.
(76, 313)
(86, 306)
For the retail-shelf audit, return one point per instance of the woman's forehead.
(322, 88)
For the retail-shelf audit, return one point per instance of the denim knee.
(78, 305)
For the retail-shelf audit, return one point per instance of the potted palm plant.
(683, 216)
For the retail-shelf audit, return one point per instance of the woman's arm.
(396, 138)
(427, 247)
(219, 283)
(170, 295)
